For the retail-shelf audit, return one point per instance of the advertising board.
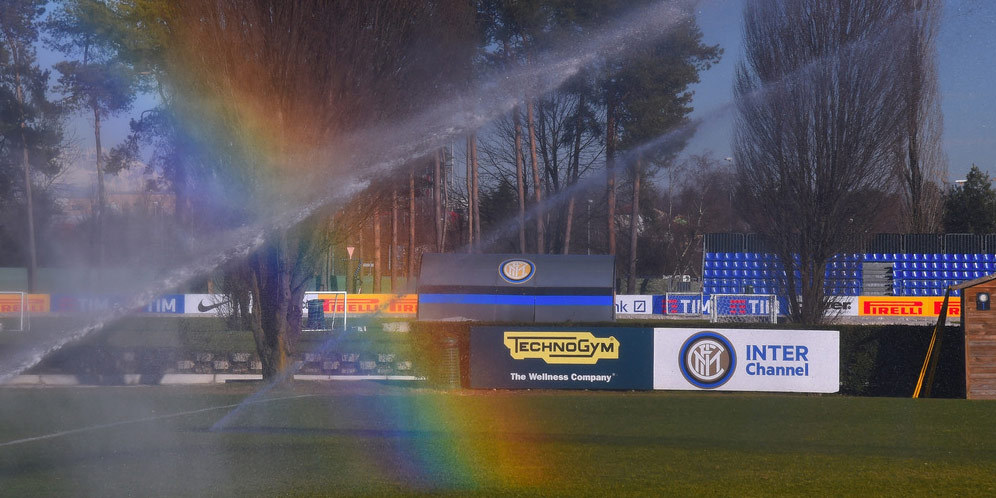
(79, 303)
(561, 358)
(37, 303)
(907, 306)
(634, 304)
(206, 304)
(747, 360)
(679, 304)
(365, 304)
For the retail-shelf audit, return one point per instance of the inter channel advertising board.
(662, 358)
(747, 360)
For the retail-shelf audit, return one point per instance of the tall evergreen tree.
(970, 207)
(95, 81)
(30, 135)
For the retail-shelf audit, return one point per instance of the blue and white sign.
(634, 304)
(747, 360)
(682, 304)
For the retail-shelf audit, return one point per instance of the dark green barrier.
(875, 360)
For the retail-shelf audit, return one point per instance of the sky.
(966, 49)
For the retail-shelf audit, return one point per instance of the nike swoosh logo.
(202, 308)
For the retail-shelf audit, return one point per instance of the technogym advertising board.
(561, 358)
(663, 358)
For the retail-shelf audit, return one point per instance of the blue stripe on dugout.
(516, 300)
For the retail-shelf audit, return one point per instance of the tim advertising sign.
(77, 303)
(747, 360)
(679, 304)
(554, 358)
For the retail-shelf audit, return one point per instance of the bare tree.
(537, 190)
(923, 166)
(475, 189)
(818, 112)
(393, 252)
(437, 199)
(411, 225)
(611, 136)
(520, 181)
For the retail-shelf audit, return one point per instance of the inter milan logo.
(707, 360)
(516, 271)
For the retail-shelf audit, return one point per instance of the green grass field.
(366, 438)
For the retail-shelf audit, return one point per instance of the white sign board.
(206, 304)
(842, 306)
(633, 304)
(747, 360)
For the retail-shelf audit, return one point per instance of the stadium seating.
(913, 274)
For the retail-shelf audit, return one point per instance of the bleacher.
(764, 273)
(916, 274)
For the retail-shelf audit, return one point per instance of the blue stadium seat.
(987, 257)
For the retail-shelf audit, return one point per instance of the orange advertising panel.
(37, 303)
(359, 304)
(907, 306)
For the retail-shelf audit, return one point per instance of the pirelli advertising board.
(663, 358)
(571, 358)
(907, 306)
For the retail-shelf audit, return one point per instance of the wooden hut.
(978, 322)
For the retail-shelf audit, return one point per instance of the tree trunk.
(25, 161)
(393, 253)
(271, 292)
(610, 173)
(520, 180)
(437, 201)
(572, 176)
(537, 194)
(476, 190)
(634, 225)
(411, 226)
(377, 270)
(470, 202)
(101, 201)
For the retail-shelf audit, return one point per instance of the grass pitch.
(364, 438)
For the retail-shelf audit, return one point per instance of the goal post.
(743, 308)
(13, 311)
(325, 311)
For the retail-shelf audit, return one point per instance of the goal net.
(683, 304)
(325, 311)
(13, 311)
(743, 308)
